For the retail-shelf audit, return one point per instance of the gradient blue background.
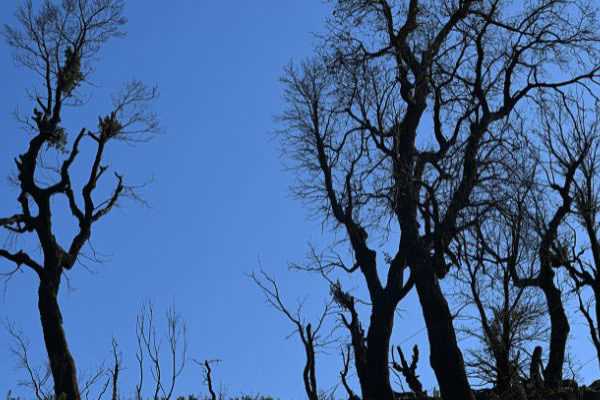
(219, 201)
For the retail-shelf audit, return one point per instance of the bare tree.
(351, 321)
(112, 373)
(310, 335)
(396, 126)
(150, 345)
(115, 370)
(59, 43)
(89, 383)
(105, 380)
(344, 373)
(566, 142)
(507, 319)
(140, 354)
(409, 371)
(38, 379)
(585, 268)
(208, 377)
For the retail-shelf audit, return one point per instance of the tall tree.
(399, 121)
(585, 268)
(59, 43)
(564, 144)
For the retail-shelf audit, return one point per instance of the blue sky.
(219, 200)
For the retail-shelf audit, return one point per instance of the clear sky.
(219, 200)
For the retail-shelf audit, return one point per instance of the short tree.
(310, 334)
(504, 319)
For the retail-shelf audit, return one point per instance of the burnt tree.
(58, 43)
(309, 334)
(344, 373)
(565, 144)
(399, 120)
(150, 347)
(584, 270)
(409, 371)
(506, 318)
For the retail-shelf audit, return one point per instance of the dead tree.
(503, 318)
(208, 378)
(395, 122)
(525, 237)
(584, 271)
(344, 373)
(350, 320)
(115, 371)
(310, 335)
(38, 379)
(59, 43)
(409, 371)
(150, 346)
(566, 143)
(536, 368)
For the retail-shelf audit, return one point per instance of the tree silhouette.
(584, 269)
(397, 129)
(507, 318)
(565, 144)
(59, 43)
(310, 335)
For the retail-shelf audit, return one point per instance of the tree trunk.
(445, 356)
(62, 364)
(594, 328)
(309, 374)
(559, 332)
(360, 353)
(503, 372)
(377, 372)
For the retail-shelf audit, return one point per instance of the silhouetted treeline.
(451, 146)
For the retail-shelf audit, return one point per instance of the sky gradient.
(218, 195)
